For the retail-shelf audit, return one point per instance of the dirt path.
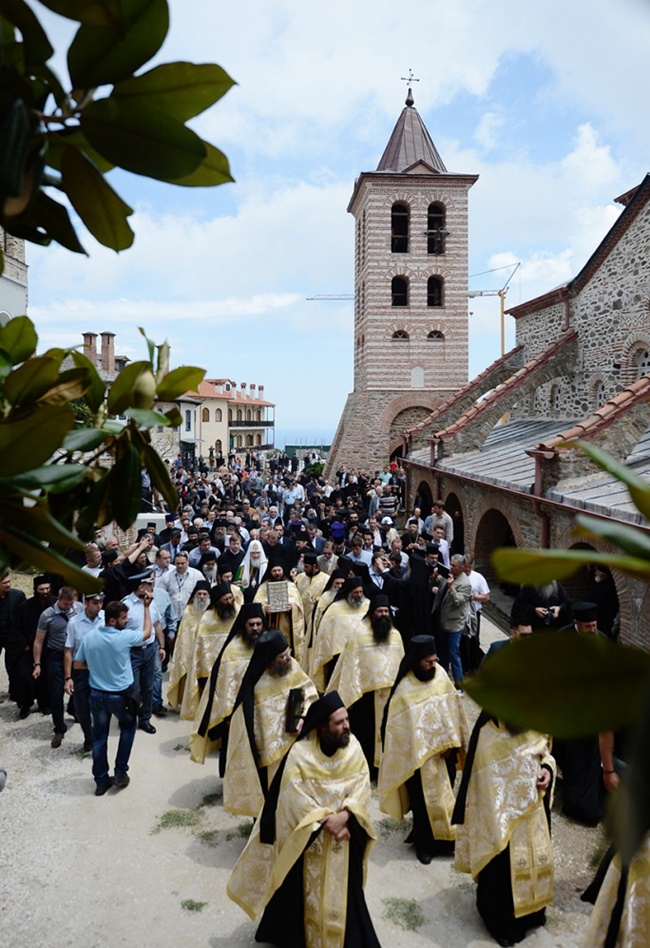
(104, 872)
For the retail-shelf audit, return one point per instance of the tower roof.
(410, 144)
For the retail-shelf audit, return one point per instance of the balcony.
(234, 449)
(251, 424)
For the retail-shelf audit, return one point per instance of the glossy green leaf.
(563, 683)
(174, 415)
(180, 89)
(51, 85)
(142, 140)
(105, 54)
(84, 439)
(126, 485)
(535, 567)
(97, 508)
(100, 208)
(150, 345)
(160, 476)
(97, 388)
(32, 379)
(37, 521)
(55, 221)
(638, 487)
(121, 392)
(213, 170)
(50, 475)
(36, 45)
(18, 339)
(92, 12)
(71, 384)
(6, 365)
(32, 440)
(147, 419)
(628, 538)
(30, 552)
(163, 362)
(73, 138)
(186, 378)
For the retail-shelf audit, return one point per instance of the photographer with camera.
(542, 607)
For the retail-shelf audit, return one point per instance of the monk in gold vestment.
(211, 636)
(336, 627)
(425, 734)
(273, 699)
(502, 833)
(197, 606)
(305, 863)
(222, 688)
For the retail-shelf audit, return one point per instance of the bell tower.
(410, 293)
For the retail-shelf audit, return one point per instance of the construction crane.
(501, 294)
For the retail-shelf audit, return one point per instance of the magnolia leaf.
(186, 378)
(121, 393)
(101, 209)
(174, 415)
(104, 54)
(638, 488)
(147, 419)
(536, 567)
(6, 364)
(628, 538)
(37, 47)
(71, 384)
(93, 12)
(26, 549)
(32, 379)
(180, 89)
(150, 345)
(50, 476)
(94, 396)
(213, 170)
(97, 510)
(163, 362)
(37, 521)
(18, 339)
(55, 221)
(142, 140)
(563, 683)
(84, 439)
(160, 476)
(32, 440)
(73, 138)
(126, 485)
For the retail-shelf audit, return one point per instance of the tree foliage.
(64, 136)
(67, 461)
(572, 685)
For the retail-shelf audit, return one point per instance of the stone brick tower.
(410, 314)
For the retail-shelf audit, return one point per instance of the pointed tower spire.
(410, 142)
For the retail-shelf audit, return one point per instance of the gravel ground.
(148, 865)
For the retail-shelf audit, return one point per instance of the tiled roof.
(510, 385)
(410, 143)
(602, 417)
(475, 385)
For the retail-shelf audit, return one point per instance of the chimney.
(261, 391)
(108, 351)
(90, 346)
(253, 387)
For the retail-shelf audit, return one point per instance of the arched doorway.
(423, 499)
(494, 531)
(455, 511)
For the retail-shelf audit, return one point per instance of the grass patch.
(191, 906)
(406, 913)
(210, 799)
(181, 747)
(81, 753)
(388, 826)
(243, 831)
(210, 837)
(174, 818)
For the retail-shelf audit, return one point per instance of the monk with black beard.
(19, 643)
(364, 675)
(218, 697)
(272, 701)
(425, 735)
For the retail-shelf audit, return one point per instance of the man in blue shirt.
(106, 652)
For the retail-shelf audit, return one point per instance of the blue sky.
(546, 102)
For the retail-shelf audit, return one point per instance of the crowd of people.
(317, 636)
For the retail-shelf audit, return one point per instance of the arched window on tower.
(399, 289)
(435, 336)
(400, 336)
(435, 287)
(218, 415)
(436, 228)
(555, 397)
(642, 359)
(205, 414)
(601, 395)
(399, 228)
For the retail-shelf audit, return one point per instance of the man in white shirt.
(179, 583)
(143, 657)
(76, 679)
(471, 654)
